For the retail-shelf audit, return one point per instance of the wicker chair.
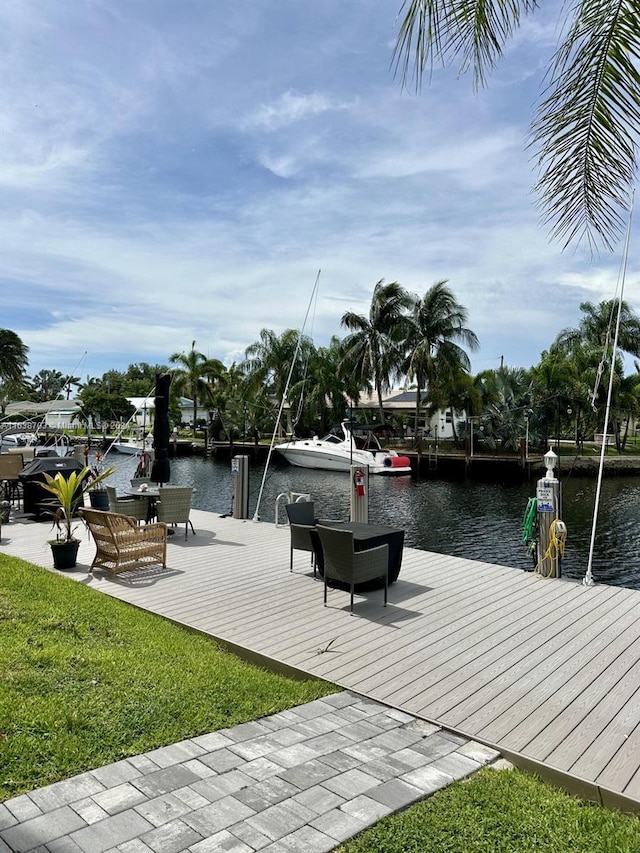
(302, 522)
(11, 464)
(342, 563)
(122, 544)
(174, 506)
(137, 508)
(138, 481)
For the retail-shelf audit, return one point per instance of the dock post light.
(550, 460)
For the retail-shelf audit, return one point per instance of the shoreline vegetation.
(90, 680)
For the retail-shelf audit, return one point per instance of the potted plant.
(98, 496)
(67, 495)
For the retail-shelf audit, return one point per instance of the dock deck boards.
(546, 671)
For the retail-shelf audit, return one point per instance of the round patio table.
(152, 493)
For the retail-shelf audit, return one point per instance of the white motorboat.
(347, 444)
(133, 446)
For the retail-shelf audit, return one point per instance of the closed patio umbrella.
(160, 470)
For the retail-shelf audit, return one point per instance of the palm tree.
(433, 356)
(326, 386)
(627, 408)
(588, 349)
(372, 352)
(47, 385)
(507, 401)
(13, 357)
(268, 363)
(586, 128)
(597, 327)
(69, 381)
(456, 391)
(191, 376)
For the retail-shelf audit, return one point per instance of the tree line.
(422, 342)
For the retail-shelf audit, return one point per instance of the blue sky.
(179, 170)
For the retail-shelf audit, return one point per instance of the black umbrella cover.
(160, 470)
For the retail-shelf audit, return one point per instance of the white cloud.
(290, 108)
(185, 176)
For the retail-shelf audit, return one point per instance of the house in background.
(54, 414)
(401, 402)
(145, 409)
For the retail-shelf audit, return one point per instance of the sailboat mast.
(284, 396)
(588, 578)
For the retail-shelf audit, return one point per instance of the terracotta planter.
(65, 554)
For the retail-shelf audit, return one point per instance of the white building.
(400, 402)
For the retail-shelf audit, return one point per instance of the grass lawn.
(501, 812)
(86, 680)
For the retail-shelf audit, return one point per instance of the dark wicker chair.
(342, 563)
(301, 522)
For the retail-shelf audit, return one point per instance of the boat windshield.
(330, 438)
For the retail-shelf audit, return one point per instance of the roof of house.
(28, 407)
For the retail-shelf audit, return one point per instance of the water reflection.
(481, 521)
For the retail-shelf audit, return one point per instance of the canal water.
(465, 518)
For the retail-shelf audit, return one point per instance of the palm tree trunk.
(381, 410)
(416, 419)
(453, 425)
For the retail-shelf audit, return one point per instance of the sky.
(181, 170)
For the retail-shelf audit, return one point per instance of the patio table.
(152, 493)
(366, 536)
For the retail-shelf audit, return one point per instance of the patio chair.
(302, 523)
(138, 481)
(122, 544)
(342, 563)
(137, 508)
(11, 464)
(174, 506)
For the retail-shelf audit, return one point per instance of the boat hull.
(315, 456)
(128, 449)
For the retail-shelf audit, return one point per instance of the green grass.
(501, 812)
(86, 680)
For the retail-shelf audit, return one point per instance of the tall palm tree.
(326, 387)
(586, 128)
(268, 363)
(433, 355)
(192, 376)
(13, 357)
(69, 381)
(597, 327)
(372, 352)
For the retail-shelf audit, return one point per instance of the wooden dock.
(545, 671)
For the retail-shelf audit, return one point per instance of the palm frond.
(472, 32)
(587, 127)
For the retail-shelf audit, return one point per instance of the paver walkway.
(302, 780)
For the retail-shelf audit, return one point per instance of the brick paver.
(302, 780)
